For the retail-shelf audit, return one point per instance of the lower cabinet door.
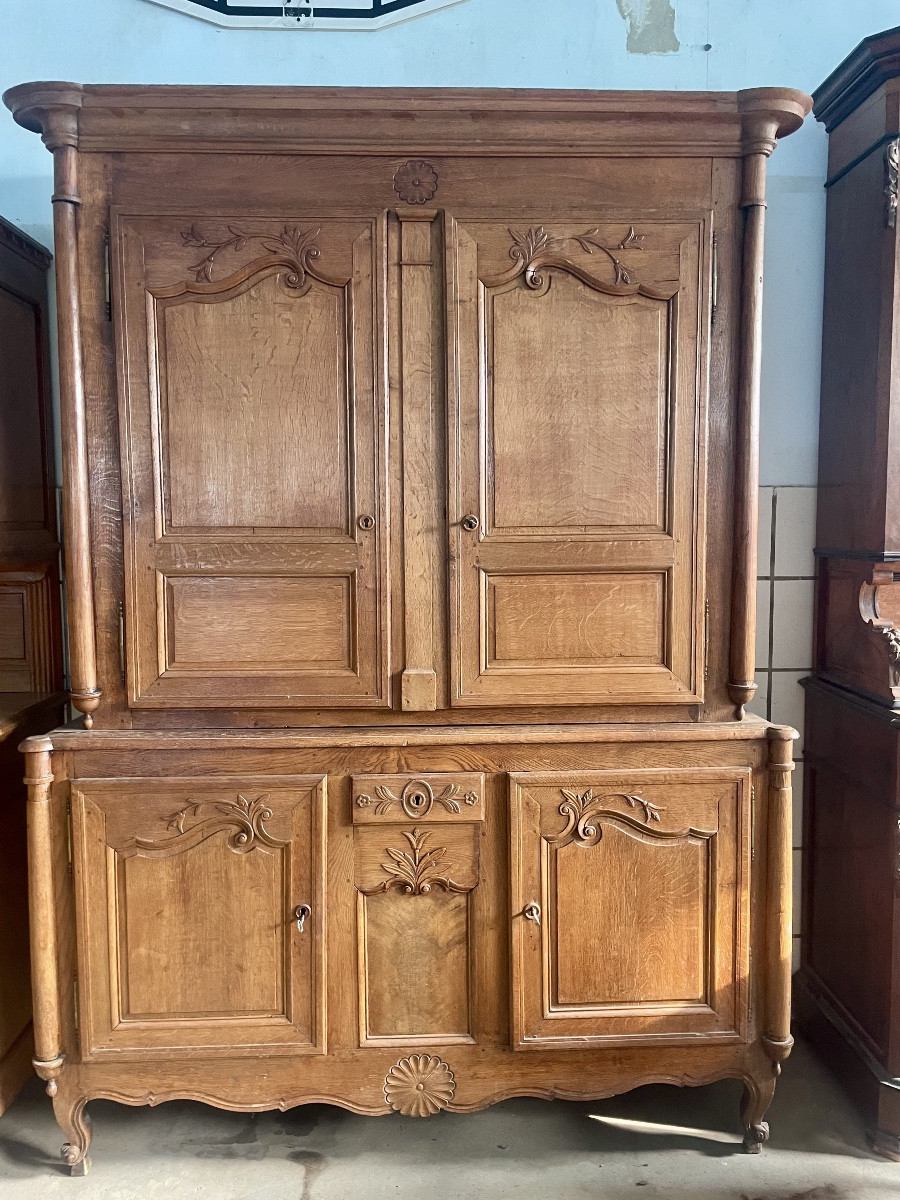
(630, 906)
(200, 905)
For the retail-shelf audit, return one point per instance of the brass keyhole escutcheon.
(470, 523)
(532, 912)
(302, 913)
(366, 522)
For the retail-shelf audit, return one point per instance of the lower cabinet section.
(262, 920)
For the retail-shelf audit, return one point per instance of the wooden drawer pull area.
(397, 798)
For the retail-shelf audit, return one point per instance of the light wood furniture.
(30, 630)
(415, 440)
(851, 943)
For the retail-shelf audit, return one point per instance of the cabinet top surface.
(462, 120)
(74, 738)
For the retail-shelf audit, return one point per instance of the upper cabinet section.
(424, 401)
(253, 417)
(578, 430)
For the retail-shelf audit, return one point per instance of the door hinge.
(706, 639)
(69, 833)
(714, 285)
(752, 823)
(122, 639)
(75, 998)
(107, 290)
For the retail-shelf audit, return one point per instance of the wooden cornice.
(875, 61)
(523, 122)
(13, 238)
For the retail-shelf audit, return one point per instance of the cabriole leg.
(75, 1123)
(754, 1106)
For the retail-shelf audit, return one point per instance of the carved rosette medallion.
(581, 808)
(417, 799)
(417, 870)
(416, 181)
(294, 246)
(419, 1086)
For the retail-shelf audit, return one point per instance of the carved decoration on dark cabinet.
(415, 873)
(245, 817)
(294, 245)
(417, 798)
(419, 1086)
(416, 181)
(879, 607)
(891, 182)
(579, 808)
(892, 637)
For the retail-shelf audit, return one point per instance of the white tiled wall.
(787, 523)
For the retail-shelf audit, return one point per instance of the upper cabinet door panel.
(582, 417)
(255, 408)
(577, 472)
(253, 423)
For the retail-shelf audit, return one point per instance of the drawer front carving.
(421, 798)
(201, 904)
(630, 905)
(417, 848)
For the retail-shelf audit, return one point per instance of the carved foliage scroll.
(294, 245)
(581, 809)
(535, 248)
(245, 818)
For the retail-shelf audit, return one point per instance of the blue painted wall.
(496, 43)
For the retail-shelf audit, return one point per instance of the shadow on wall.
(651, 26)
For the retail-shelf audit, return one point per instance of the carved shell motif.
(419, 1086)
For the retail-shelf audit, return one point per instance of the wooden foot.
(754, 1106)
(76, 1125)
(755, 1137)
(884, 1143)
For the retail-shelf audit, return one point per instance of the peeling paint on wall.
(651, 26)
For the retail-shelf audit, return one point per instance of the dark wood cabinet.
(851, 917)
(411, 531)
(30, 629)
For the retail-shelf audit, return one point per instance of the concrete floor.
(679, 1144)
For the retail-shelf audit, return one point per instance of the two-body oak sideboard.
(410, 442)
